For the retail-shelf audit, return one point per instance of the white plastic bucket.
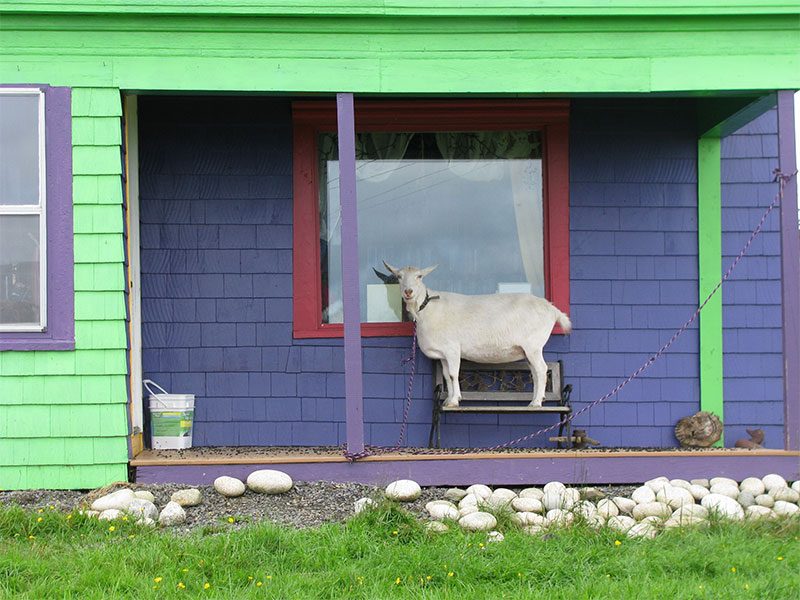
(171, 418)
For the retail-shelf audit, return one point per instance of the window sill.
(23, 344)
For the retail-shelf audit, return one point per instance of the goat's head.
(410, 280)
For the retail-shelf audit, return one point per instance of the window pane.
(470, 202)
(19, 149)
(19, 270)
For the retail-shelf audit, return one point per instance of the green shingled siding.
(63, 415)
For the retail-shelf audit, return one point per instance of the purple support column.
(790, 272)
(353, 379)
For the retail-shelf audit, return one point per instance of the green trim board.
(709, 238)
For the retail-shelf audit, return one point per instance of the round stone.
(118, 500)
(142, 509)
(621, 523)
(756, 513)
(606, 508)
(146, 522)
(753, 485)
(531, 493)
(527, 505)
(726, 489)
(773, 481)
(683, 521)
(786, 494)
(555, 486)
(469, 500)
(440, 510)
(652, 509)
(681, 483)
(190, 497)
(625, 505)
(701, 482)
(269, 481)
(698, 492)
(478, 521)
(785, 509)
(230, 487)
(110, 514)
(455, 494)
(403, 490)
(501, 498)
(695, 511)
(657, 484)
(765, 500)
(642, 530)
(524, 519)
(363, 504)
(559, 518)
(586, 509)
(675, 497)
(555, 499)
(724, 506)
(728, 480)
(172, 514)
(746, 499)
(436, 527)
(643, 495)
(480, 490)
(796, 486)
(494, 536)
(467, 510)
(145, 495)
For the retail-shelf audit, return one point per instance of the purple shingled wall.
(216, 275)
(752, 299)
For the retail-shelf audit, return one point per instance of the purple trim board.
(790, 272)
(498, 471)
(60, 332)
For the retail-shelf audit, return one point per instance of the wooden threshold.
(505, 409)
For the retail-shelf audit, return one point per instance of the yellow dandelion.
(617, 543)
(181, 585)
(125, 518)
(112, 528)
(52, 507)
(428, 578)
(480, 544)
(206, 585)
(31, 537)
(259, 584)
(158, 579)
(269, 576)
(249, 578)
(397, 581)
(39, 520)
(747, 586)
(231, 520)
(733, 569)
(41, 510)
(155, 587)
(450, 573)
(519, 574)
(360, 580)
(395, 532)
(184, 570)
(131, 536)
(69, 516)
(780, 558)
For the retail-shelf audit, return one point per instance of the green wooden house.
(99, 84)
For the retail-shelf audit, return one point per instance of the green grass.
(386, 553)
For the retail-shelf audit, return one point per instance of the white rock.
(746, 499)
(363, 504)
(586, 509)
(643, 495)
(172, 514)
(681, 483)
(753, 485)
(501, 498)
(441, 509)
(523, 519)
(189, 497)
(715, 480)
(146, 521)
(554, 499)
(531, 493)
(786, 494)
(559, 518)
(269, 481)
(478, 521)
(695, 511)
(652, 509)
(145, 495)
(642, 530)
(90, 513)
(653, 520)
(701, 482)
(230, 487)
(436, 527)
(684, 520)
(723, 506)
(555, 486)
(467, 510)
(796, 486)
(785, 509)
(675, 497)
(698, 492)
(621, 523)
(726, 489)
(118, 500)
(606, 508)
(494, 536)
(765, 500)
(773, 481)
(625, 505)
(403, 490)
(142, 509)
(756, 512)
(455, 494)
(469, 500)
(480, 490)
(110, 514)
(527, 505)
(572, 495)
(657, 484)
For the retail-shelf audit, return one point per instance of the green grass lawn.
(386, 553)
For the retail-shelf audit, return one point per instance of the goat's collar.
(428, 298)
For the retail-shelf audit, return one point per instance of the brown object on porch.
(701, 430)
(756, 440)
(490, 384)
(578, 440)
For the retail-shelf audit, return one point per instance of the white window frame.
(40, 210)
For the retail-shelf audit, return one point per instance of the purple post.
(353, 378)
(790, 272)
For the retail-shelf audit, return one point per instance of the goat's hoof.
(450, 404)
(535, 404)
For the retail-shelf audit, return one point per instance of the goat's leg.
(451, 364)
(539, 372)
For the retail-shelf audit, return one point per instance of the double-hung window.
(478, 187)
(36, 260)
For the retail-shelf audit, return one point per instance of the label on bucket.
(172, 423)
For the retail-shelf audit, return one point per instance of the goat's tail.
(564, 321)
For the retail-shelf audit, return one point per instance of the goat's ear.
(427, 271)
(394, 270)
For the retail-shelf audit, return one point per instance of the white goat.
(493, 328)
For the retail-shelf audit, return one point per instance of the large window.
(478, 188)
(36, 290)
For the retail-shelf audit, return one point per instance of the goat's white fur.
(493, 328)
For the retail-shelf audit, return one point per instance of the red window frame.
(312, 117)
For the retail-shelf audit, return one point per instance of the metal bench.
(505, 388)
